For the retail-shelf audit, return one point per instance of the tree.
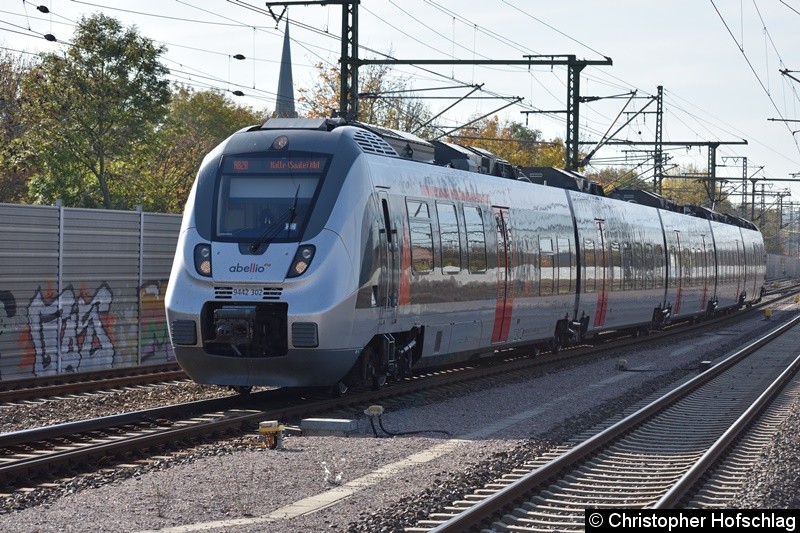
(619, 178)
(382, 102)
(512, 141)
(14, 175)
(689, 188)
(160, 173)
(87, 105)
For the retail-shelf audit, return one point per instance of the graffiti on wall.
(8, 308)
(83, 331)
(156, 345)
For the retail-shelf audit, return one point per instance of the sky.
(719, 62)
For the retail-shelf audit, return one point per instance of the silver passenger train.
(315, 253)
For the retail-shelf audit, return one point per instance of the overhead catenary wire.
(600, 79)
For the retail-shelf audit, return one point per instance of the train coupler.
(577, 329)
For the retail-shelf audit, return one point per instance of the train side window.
(686, 263)
(421, 235)
(628, 281)
(616, 265)
(451, 243)
(649, 266)
(674, 264)
(729, 265)
(476, 239)
(421, 247)
(417, 209)
(589, 266)
(638, 265)
(564, 266)
(658, 265)
(546, 266)
(700, 266)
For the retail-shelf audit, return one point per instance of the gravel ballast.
(378, 487)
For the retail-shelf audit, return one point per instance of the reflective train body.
(316, 253)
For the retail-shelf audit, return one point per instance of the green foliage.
(513, 142)
(382, 102)
(86, 106)
(620, 178)
(13, 173)
(692, 186)
(160, 173)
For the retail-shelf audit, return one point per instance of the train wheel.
(339, 390)
(243, 389)
(375, 371)
(378, 381)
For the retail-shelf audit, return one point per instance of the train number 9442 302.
(247, 291)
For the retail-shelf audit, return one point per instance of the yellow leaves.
(513, 142)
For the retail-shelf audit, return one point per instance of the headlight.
(301, 261)
(202, 259)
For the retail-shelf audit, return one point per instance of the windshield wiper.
(271, 230)
(293, 211)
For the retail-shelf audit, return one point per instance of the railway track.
(656, 457)
(36, 388)
(31, 457)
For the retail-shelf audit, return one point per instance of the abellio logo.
(252, 267)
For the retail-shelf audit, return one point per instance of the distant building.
(284, 106)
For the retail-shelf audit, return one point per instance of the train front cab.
(254, 315)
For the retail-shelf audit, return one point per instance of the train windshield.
(267, 198)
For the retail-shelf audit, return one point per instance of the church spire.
(284, 106)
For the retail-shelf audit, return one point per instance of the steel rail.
(496, 503)
(692, 477)
(43, 387)
(296, 407)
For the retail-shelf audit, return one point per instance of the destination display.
(263, 165)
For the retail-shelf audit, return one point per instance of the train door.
(505, 297)
(749, 272)
(390, 269)
(752, 270)
(704, 272)
(676, 259)
(602, 279)
(739, 265)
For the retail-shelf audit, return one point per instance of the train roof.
(648, 198)
(472, 159)
(564, 179)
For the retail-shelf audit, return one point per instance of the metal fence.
(82, 289)
(782, 267)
